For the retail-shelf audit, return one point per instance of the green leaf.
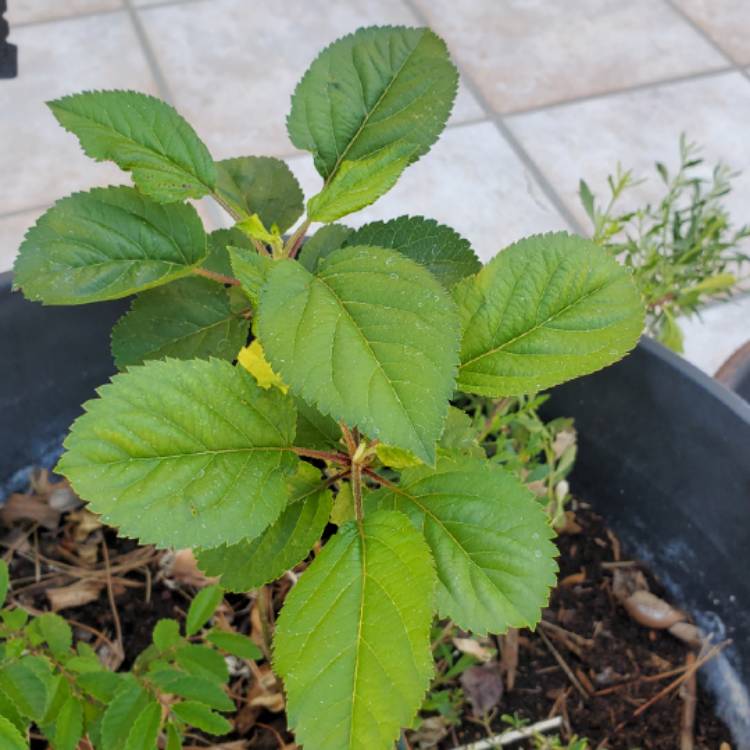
(397, 458)
(282, 545)
(236, 644)
(370, 104)
(189, 318)
(203, 661)
(670, 333)
(460, 435)
(251, 269)
(69, 725)
(9, 710)
(145, 730)
(547, 309)
(343, 505)
(25, 689)
(143, 135)
(193, 688)
(202, 608)
(489, 537)
(101, 685)
(261, 185)
(129, 701)
(201, 717)
(587, 199)
(322, 243)
(435, 246)
(370, 339)
(105, 244)
(174, 739)
(218, 249)
(4, 581)
(357, 184)
(183, 453)
(353, 640)
(166, 634)
(316, 430)
(56, 632)
(10, 737)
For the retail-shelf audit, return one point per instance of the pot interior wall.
(664, 455)
(52, 360)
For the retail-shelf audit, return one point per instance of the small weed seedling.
(360, 338)
(175, 684)
(683, 250)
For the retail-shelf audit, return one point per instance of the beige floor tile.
(232, 65)
(12, 231)
(727, 22)
(32, 11)
(471, 180)
(45, 161)
(528, 53)
(587, 139)
(721, 329)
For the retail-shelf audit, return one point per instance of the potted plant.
(358, 340)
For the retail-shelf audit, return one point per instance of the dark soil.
(619, 652)
(610, 654)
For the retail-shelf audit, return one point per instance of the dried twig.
(689, 700)
(689, 671)
(112, 603)
(568, 671)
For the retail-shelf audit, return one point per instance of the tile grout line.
(153, 65)
(698, 29)
(636, 88)
(523, 156)
(95, 13)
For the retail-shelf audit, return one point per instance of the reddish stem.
(219, 277)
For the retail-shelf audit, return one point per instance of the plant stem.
(295, 241)
(338, 458)
(351, 443)
(357, 492)
(218, 277)
(380, 480)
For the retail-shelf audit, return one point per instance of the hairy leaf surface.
(435, 246)
(184, 453)
(352, 642)
(490, 539)
(105, 244)
(143, 135)
(370, 339)
(547, 309)
(282, 545)
(370, 104)
(251, 269)
(189, 318)
(219, 242)
(261, 185)
(327, 239)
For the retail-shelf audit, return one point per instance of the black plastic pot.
(664, 456)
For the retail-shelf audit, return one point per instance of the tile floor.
(550, 92)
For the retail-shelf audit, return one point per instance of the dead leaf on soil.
(20, 507)
(84, 523)
(75, 595)
(181, 567)
(430, 732)
(483, 687)
(481, 652)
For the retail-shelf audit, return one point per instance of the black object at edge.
(8, 51)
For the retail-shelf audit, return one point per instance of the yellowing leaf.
(253, 359)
